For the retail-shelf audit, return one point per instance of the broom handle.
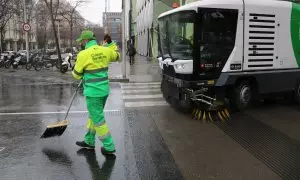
(73, 97)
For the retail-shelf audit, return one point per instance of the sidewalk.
(143, 70)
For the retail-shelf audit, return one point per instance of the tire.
(64, 69)
(242, 96)
(28, 66)
(7, 65)
(15, 66)
(39, 66)
(297, 93)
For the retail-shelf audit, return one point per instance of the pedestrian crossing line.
(133, 91)
(143, 83)
(139, 87)
(145, 104)
(147, 96)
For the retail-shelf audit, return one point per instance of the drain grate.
(276, 150)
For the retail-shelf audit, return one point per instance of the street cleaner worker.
(92, 66)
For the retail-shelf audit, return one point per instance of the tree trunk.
(1, 40)
(56, 38)
(71, 36)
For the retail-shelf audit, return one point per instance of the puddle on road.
(2, 149)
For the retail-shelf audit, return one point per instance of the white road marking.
(2, 149)
(149, 83)
(53, 112)
(140, 87)
(132, 91)
(147, 96)
(145, 104)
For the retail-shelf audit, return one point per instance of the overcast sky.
(92, 11)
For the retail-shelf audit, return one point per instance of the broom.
(58, 128)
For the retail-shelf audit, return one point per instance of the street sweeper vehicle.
(215, 53)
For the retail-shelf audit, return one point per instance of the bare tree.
(42, 18)
(53, 9)
(7, 11)
(70, 13)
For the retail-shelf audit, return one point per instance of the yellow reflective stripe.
(102, 130)
(77, 73)
(96, 80)
(95, 70)
(76, 76)
(90, 124)
(103, 137)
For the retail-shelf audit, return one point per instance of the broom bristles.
(56, 129)
(212, 115)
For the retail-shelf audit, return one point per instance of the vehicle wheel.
(64, 69)
(163, 89)
(28, 66)
(242, 96)
(38, 66)
(297, 93)
(7, 65)
(15, 66)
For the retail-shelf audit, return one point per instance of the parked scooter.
(19, 60)
(66, 63)
(8, 62)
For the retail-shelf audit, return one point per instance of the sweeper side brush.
(211, 115)
(208, 109)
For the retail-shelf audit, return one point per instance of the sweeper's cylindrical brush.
(211, 115)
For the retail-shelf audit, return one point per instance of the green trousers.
(96, 124)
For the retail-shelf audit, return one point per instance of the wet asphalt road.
(152, 142)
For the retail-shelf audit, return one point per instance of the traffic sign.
(26, 27)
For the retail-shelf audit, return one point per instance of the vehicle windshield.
(176, 35)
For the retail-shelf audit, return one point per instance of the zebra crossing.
(137, 95)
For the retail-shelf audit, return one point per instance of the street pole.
(123, 40)
(26, 32)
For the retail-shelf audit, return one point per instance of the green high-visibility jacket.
(92, 66)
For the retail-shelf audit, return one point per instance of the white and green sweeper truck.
(214, 51)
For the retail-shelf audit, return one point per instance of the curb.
(118, 80)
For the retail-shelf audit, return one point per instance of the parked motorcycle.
(8, 62)
(33, 60)
(19, 60)
(46, 62)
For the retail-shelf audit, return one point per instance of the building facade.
(14, 37)
(141, 15)
(112, 24)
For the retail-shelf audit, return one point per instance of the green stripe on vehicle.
(295, 31)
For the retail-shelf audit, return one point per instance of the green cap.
(86, 35)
